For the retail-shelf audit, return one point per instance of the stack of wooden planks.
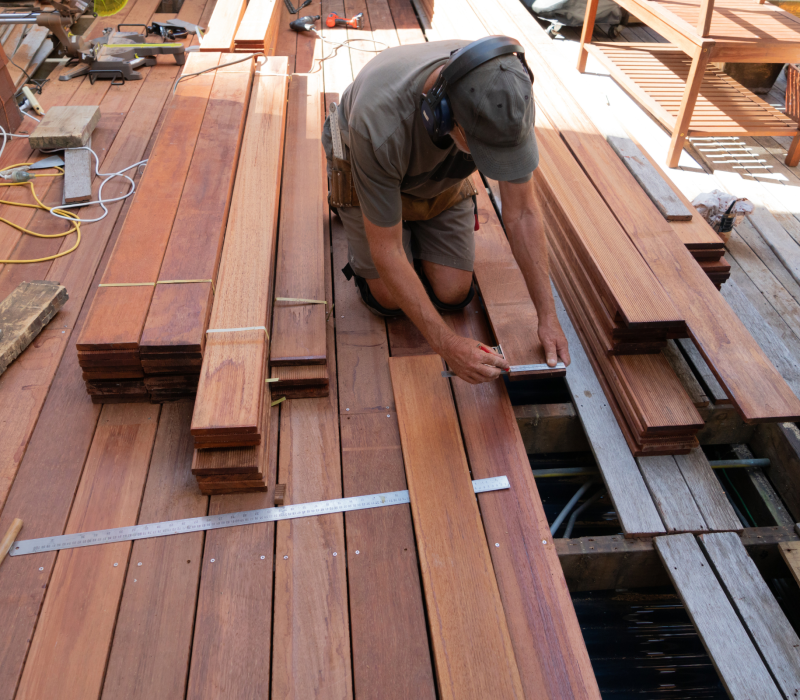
(144, 338)
(232, 411)
(10, 116)
(243, 27)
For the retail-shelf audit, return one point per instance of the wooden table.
(687, 95)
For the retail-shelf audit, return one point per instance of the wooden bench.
(676, 82)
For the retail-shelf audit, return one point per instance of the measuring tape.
(520, 368)
(215, 522)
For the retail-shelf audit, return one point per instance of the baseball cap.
(493, 104)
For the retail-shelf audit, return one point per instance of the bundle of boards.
(630, 280)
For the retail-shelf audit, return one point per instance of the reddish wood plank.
(460, 586)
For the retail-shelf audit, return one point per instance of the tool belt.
(342, 193)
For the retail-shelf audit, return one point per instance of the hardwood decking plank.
(152, 638)
(459, 581)
(298, 328)
(70, 647)
(548, 645)
(738, 663)
(229, 393)
(762, 615)
(222, 25)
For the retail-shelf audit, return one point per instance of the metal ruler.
(214, 522)
(521, 368)
(336, 134)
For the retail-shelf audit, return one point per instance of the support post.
(586, 33)
(693, 83)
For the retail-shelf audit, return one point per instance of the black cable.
(292, 9)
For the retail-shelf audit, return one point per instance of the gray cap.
(493, 104)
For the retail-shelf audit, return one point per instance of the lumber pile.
(243, 27)
(298, 352)
(145, 333)
(10, 116)
(232, 411)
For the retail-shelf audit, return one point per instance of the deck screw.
(346, 409)
(334, 554)
(213, 560)
(357, 552)
(388, 415)
(544, 541)
(496, 544)
(139, 564)
(116, 563)
(263, 557)
(286, 557)
(41, 568)
(134, 580)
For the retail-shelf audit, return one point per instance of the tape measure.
(520, 368)
(215, 522)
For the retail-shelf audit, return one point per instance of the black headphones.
(435, 107)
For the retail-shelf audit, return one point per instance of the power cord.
(346, 44)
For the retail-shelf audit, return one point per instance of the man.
(401, 187)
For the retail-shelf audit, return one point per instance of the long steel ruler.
(214, 522)
(520, 368)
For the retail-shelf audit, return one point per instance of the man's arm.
(463, 355)
(523, 222)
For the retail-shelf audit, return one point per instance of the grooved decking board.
(298, 329)
(547, 640)
(178, 314)
(232, 633)
(391, 656)
(231, 384)
(632, 501)
(70, 647)
(773, 634)
(459, 581)
(508, 303)
(118, 313)
(739, 665)
(223, 25)
(152, 638)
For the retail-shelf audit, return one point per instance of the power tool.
(304, 24)
(334, 20)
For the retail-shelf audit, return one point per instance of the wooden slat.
(259, 26)
(223, 25)
(790, 551)
(632, 502)
(671, 495)
(460, 587)
(178, 314)
(762, 615)
(152, 638)
(707, 492)
(548, 645)
(86, 585)
(391, 655)
(139, 251)
(298, 328)
(231, 384)
(678, 362)
(232, 633)
(739, 665)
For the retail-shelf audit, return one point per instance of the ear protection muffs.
(437, 116)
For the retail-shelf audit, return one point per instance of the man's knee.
(450, 285)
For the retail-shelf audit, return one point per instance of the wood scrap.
(78, 175)
(65, 127)
(24, 313)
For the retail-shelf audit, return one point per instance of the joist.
(298, 323)
(231, 385)
(222, 26)
(140, 248)
(761, 613)
(457, 573)
(740, 667)
(174, 331)
(24, 313)
(547, 640)
(87, 583)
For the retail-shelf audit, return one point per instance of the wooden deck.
(333, 607)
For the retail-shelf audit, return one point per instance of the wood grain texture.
(459, 581)
(790, 551)
(762, 615)
(548, 645)
(298, 329)
(140, 248)
(223, 25)
(739, 665)
(152, 638)
(67, 126)
(231, 384)
(632, 501)
(707, 491)
(78, 174)
(671, 495)
(24, 313)
(259, 26)
(179, 313)
(70, 648)
(233, 627)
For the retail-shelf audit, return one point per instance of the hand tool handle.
(9, 538)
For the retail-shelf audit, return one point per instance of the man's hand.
(472, 361)
(553, 340)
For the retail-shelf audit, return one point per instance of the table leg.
(681, 129)
(586, 33)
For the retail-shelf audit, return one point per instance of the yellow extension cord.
(76, 227)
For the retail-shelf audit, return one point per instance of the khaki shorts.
(448, 239)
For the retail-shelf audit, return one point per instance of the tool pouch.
(341, 192)
(416, 209)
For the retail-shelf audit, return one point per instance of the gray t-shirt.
(390, 151)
